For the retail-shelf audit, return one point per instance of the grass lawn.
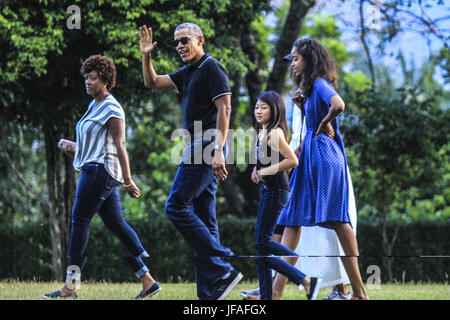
(18, 290)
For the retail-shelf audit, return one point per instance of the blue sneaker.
(58, 295)
(337, 295)
(154, 289)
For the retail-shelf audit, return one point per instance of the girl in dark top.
(273, 158)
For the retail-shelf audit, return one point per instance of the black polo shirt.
(199, 85)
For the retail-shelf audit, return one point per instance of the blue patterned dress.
(319, 184)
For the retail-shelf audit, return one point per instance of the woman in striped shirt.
(100, 153)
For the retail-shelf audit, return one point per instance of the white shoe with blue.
(337, 295)
(246, 293)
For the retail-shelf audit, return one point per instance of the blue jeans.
(98, 192)
(271, 203)
(191, 206)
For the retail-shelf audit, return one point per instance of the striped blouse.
(94, 140)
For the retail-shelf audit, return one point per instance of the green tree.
(22, 196)
(41, 87)
(240, 193)
(397, 142)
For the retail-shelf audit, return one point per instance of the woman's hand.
(254, 176)
(297, 98)
(69, 147)
(117, 129)
(132, 189)
(259, 176)
(337, 106)
(326, 128)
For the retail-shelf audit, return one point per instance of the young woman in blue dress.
(319, 184)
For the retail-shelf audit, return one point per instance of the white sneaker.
(245, 293)
(336, 295)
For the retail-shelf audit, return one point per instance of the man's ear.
(201, 40)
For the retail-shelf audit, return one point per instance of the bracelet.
(127, 185)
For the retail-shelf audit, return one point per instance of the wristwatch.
(218, 147)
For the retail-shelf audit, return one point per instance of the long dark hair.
(318, 63)
(277, 112)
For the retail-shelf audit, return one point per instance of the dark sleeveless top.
(264, 155)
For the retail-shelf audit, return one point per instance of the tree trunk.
(290, 32)
(388, 246)
(60, 184)
(364, 43)
(387, 249)
(235, 90)
(69, 194)
(241, 193)
(253, 80)
(53, 221)
(236, 188)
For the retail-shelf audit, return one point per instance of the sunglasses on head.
(183, 40)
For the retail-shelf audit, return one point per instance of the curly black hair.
(105, 68)
(318, 63)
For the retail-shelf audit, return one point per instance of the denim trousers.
(191, 206)
(98, 192)
(271, 203)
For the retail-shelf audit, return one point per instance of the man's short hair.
(194, 29)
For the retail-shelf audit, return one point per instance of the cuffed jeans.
(98, 192)
(271, 203)
(191, 206)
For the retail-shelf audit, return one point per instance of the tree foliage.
(395, 133)
(41, 86)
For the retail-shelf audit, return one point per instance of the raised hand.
(145, 36)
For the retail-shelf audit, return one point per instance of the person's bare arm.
(151, 78)
(223, 105)
(117, 129)
(278, 142)
(336, 108)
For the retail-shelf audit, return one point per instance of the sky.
(415, 47)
